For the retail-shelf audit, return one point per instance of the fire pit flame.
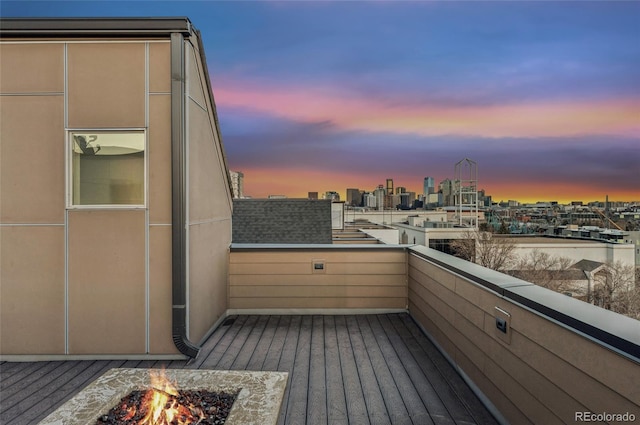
(163, 405)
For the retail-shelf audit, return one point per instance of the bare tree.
(627, 301)
(615, 288)
(544, 270)
(485, 249)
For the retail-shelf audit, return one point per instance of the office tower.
(369, 200)
(237, 183)
(447, 188)
(389, 186)
(313, 195)
(381, 196)
(429, 186)
(354, 197)
(388, 199)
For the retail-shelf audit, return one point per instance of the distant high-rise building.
(313, 195)
(237, 184)
(334, 196)
(400, 190)
(433, 200)
(447, 187)
(404, 200)
(429, 186)
(354, 197)
(381, 197)
(369, 200)
(388, 199)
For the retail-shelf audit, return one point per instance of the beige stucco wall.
(106, 83)
(32, 214)
(542, 373)
(575, 251)
(209, 207)
(32, 296)
(106, 282)
(82, 281)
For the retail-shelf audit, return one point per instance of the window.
(107, 168)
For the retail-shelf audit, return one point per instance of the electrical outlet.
(503, 325)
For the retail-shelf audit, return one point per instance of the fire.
(162, 404)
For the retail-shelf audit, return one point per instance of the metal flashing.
(84, 27)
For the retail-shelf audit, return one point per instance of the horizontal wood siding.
(544, 374)
(357, 278)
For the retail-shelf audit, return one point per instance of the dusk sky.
(319, 95)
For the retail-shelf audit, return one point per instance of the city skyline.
(418, 191)
(319, 96)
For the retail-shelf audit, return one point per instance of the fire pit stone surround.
(257, 403)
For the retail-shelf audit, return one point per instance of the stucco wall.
(209, 206)
(581, 250)
(83, 281)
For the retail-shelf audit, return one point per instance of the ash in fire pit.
(187, 407)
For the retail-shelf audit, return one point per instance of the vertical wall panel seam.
(66, 200)
(187, 163)
(147, 308)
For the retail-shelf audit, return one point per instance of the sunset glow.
(619, 117)
(317, 96)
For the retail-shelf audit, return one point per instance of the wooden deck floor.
(364, 369)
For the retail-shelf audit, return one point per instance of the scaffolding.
(466, 192)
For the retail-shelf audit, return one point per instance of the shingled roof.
(297, 221)
(587, 265)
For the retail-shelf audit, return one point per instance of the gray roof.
(294, 221)
(587, 265)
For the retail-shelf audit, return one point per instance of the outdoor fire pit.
(192, 395)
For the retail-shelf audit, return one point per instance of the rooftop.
(343, 369)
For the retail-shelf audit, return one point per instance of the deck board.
(259, 354)
(371, 390)
(395, 359)
(396, 408)
(336, 401)
(365, 369)
(298, 382)
(317, 388)
(354, 396)
(415, 363)
(241, 359)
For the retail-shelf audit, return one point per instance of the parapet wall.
(297, 277)
(540, 370)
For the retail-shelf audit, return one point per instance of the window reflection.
(108, 168)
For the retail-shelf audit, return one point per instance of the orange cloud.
(357, 113)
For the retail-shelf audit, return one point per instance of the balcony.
(348, 322)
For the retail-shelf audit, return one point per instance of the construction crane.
(605, 218)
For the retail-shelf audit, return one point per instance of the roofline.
(83, 27)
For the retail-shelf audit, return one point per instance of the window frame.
(69, 169)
